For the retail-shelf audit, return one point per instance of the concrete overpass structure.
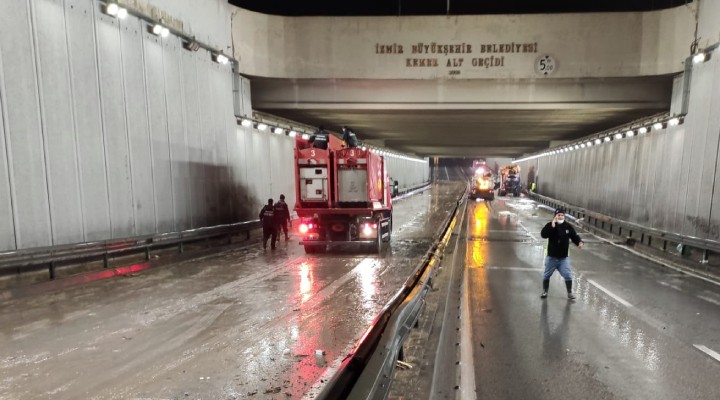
(396, 81)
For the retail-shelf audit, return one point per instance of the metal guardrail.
(20, 260)
(635, 231)
(367, 372)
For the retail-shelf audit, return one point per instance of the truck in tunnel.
(344, 196)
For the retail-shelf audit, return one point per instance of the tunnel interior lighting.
(577, 147)
(588, 144)
(261, 126)
(629, 133)
(618, 136)
(598, 141)
(607, 138)
(292, 133)
(165, 32)
(114, 10)
(220, 59)
(698, 58)
(157, 29)
(364, 148)
(582, 145)
(657, 126)
(674, 122)
(246, 122)
(305, 136)
(642, 130)
(278, 131)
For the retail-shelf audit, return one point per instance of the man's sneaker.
(571, 296)
(543, 295)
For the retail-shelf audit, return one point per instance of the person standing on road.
(559, 234)
(282, 214)
(267, 216)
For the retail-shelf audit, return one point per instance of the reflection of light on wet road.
(619, 326)
(367, 274)
(306, 281)
(522, 205)
(478, 227)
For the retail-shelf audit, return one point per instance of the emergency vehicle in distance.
(343, 196)
(482, 183)
(510, 181)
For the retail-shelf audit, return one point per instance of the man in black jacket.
(282, 215)
(320, 139)
(559, 234)
(267, 216)
(349, 137)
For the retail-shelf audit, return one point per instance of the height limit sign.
(545, 65)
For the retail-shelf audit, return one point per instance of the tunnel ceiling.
(468, 133)
(465, 118)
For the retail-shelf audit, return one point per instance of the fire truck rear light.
(310, 226)
(374, 226)
(303, 229)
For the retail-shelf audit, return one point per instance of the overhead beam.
(352, 94)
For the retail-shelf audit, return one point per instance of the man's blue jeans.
(560, 264)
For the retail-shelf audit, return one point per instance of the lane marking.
(709, 299)
(517, 268)
(710, 352)
(679, 289)
(528, 231)
(609, 293)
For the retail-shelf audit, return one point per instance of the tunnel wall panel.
(122, 220)
(84, 75)
(58, 123)
(24, 137)
(7, 228)
(138, 133)
(178, 145)
(713, 130)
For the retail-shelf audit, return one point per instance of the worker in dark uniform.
(282, 215)
(349, 137)
(320, 139)
(559, 234)
(267, 216)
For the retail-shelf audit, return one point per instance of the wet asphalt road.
(635, 331)
(243, 323)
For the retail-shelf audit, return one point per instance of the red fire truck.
(343, 196)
